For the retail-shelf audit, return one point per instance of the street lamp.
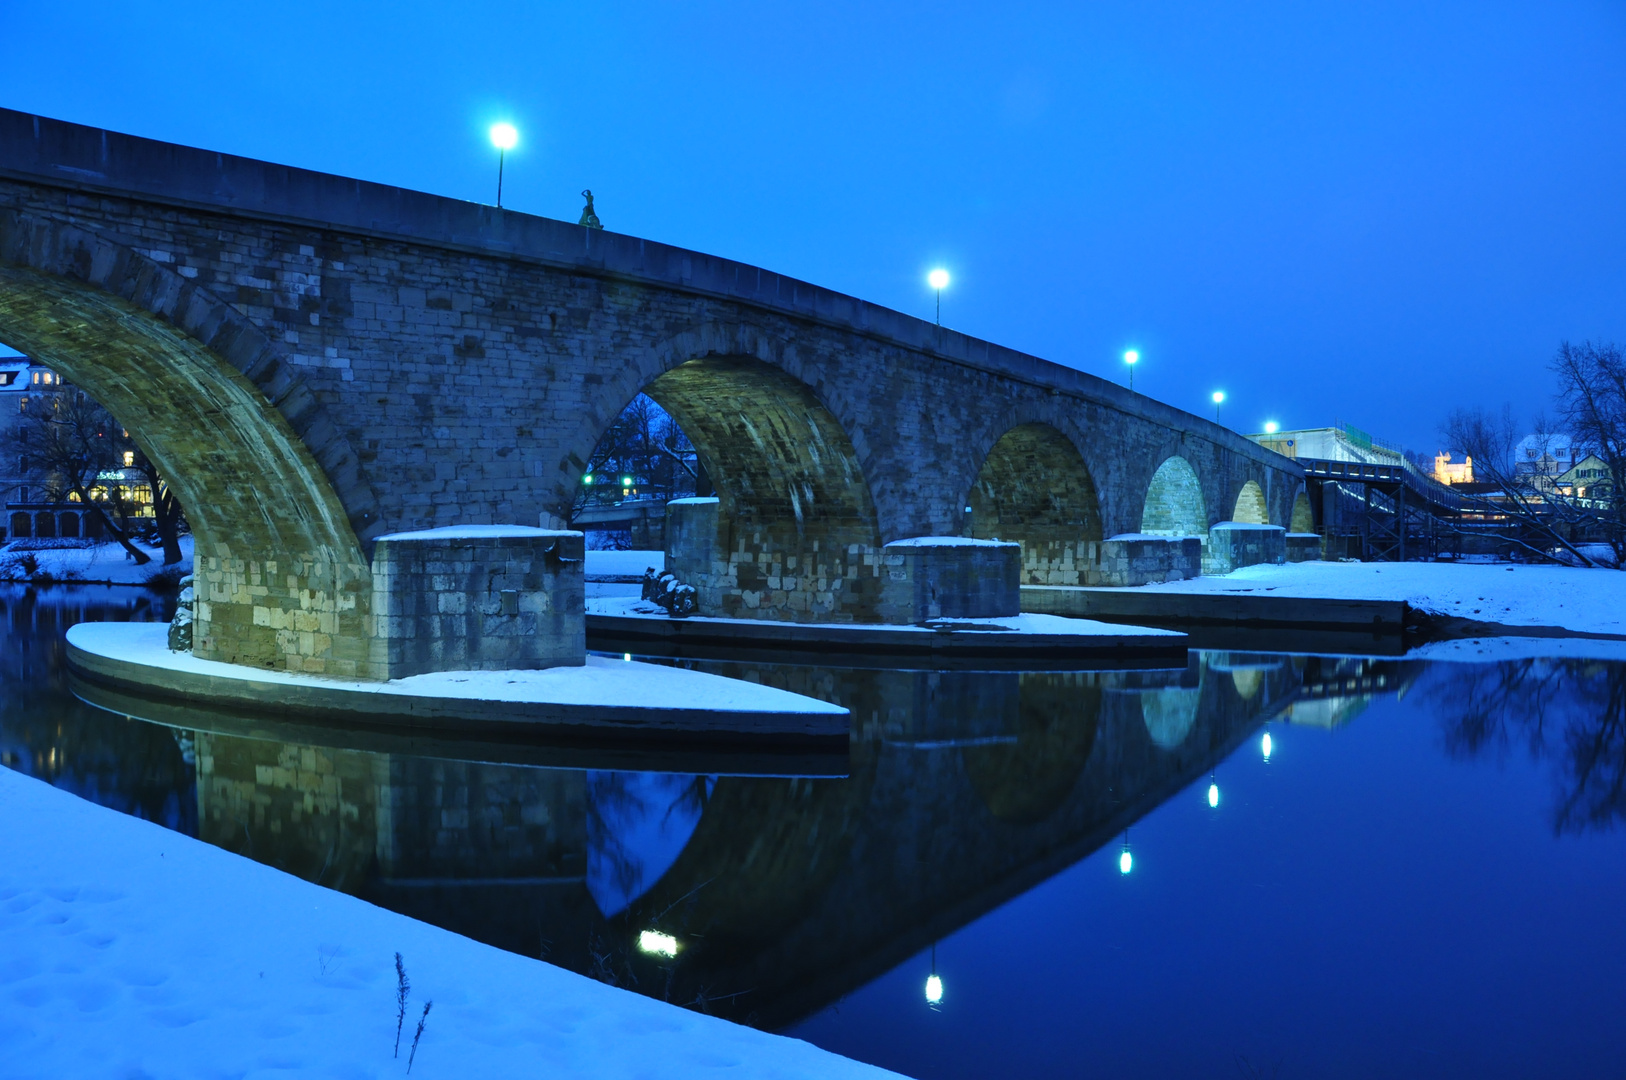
(1131, 357)
(938, 279)
(1272, 427)
(503, 137)
(1213, 791)
(1264, 747)
(1126, 861)
(1219, 396)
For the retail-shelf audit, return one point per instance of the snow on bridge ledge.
(951, 541)
(135, 951)
(478, 532)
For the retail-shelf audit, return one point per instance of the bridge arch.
(1034, 488)
(793, 532)
(1303, 516)
(1174, 501)
(1251, 508)
(269, 485)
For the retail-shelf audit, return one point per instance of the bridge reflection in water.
(783, 893)
(964, 790)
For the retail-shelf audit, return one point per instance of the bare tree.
(1555, 521)
(70, 441)
(1490, 440)
(646, 445)
(1592, 403)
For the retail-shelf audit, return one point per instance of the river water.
(1107, 873)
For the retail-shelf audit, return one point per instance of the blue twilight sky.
(1370, 211)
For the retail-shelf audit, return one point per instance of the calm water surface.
(1427, 877)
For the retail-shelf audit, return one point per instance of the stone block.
(1303, 547)
(1146, 559)
(483, 598)
(949, 577)
(691, 536)
(1233, 545)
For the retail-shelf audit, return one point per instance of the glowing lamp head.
(938, 279)
(1126, 862)
(1219, 396)
(626, 481)
(1131, 356)
(1264, 746)
(587, 478)
(1272, 427)
(934, 990)
(658, 944)
(504, 136)
(1213, 795)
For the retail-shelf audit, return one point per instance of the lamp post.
(1219, 396)
(938, 280)
(1131, 357)
(503, 137)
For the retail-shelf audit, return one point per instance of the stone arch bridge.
(316, 362)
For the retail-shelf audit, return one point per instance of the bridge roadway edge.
(80, 158)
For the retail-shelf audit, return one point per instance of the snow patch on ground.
(1576, 598)
(1050, 625)
(1491, 650)
(130, 950)
(601, 681)
(98, 564)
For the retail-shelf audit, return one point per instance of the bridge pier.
(1235, 544)
(482, 598)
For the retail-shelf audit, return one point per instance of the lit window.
(36, 378)
(129, 458)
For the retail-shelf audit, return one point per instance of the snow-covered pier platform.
(1392, 604)
(626, 701)
(1016, 640)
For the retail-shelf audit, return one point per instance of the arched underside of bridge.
(1035, 489)
(795, 535)
(1174, 501)
(1251, 508)
(281, 581)
(1303, 519)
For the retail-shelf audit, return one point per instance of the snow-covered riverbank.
(1576, 599)
(97, 564)
(130, 950)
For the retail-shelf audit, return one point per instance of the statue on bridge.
(589, 218)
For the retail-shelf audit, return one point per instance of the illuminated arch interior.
(1174, 502)
(272, 538)
(1034, 488)
(1250, 506)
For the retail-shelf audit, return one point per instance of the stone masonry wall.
(446, 600)
(949, 578)
(471, 358)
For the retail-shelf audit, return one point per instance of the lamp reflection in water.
(934, 984)
(1126, 861)
(658, 944)
(1264, 746)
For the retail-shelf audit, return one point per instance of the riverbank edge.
(265, 965)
